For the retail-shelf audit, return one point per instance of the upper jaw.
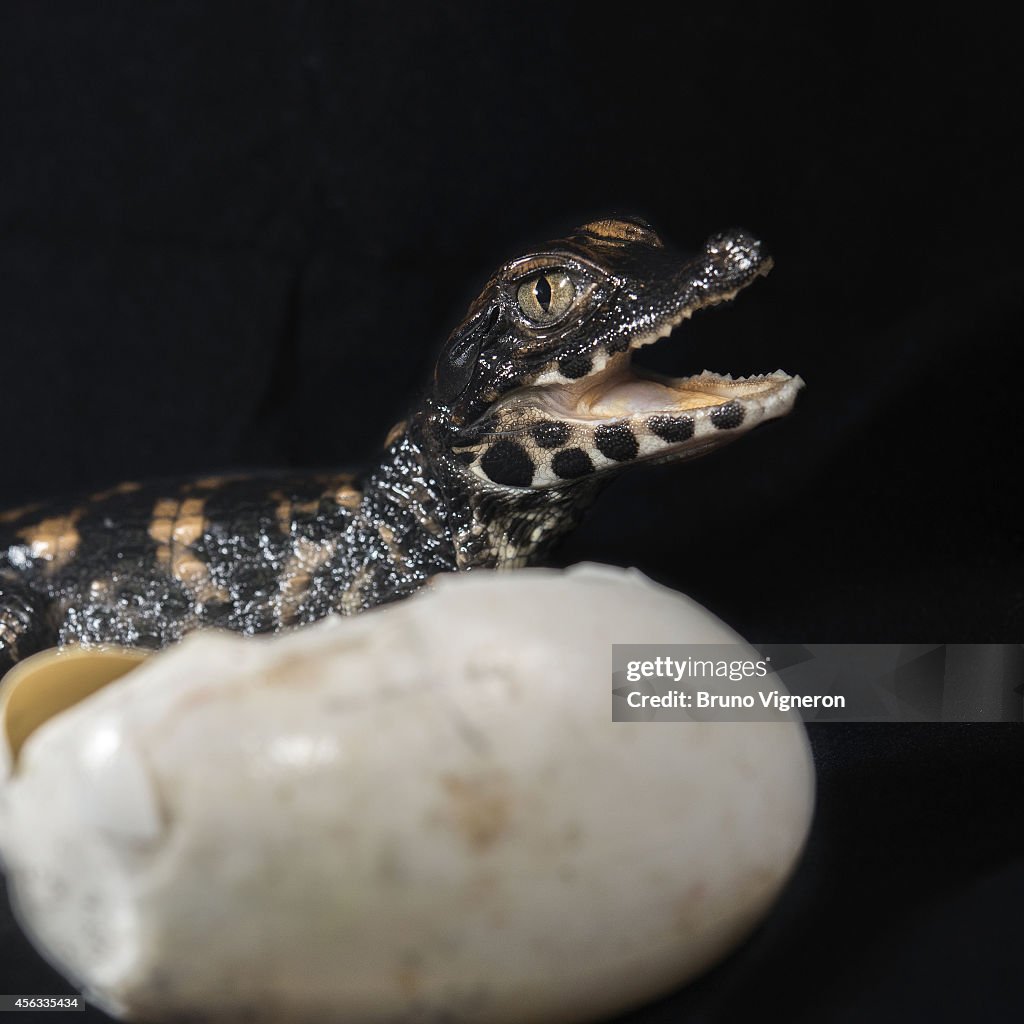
(616, 390)
(731, 261)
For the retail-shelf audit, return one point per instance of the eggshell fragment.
(423, 814)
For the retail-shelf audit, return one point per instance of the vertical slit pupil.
(542, 290)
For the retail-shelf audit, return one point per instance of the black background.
(235, 235)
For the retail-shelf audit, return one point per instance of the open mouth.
(617, 391)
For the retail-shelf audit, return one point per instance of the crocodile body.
(532, 408)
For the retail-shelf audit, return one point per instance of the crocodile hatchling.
(533, 406)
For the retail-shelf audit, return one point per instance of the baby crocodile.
(533, 406)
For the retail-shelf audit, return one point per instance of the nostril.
(734, 243)
(735, 256)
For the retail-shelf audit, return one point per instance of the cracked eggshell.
(422, 813)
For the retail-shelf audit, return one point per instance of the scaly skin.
(533, 408)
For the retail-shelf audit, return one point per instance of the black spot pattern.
(572, 463)
(617, 442)
(551, 434)
(506, 462)
(575, 366)
(466, 458)
(727, 416)
(671, 428)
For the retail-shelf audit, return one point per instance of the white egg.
(423, 813)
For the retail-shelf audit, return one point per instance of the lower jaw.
(631, 395)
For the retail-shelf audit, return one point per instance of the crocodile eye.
(546, 297)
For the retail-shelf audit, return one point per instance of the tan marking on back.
(347, 496)
(395, 433)
(426, 519)
(288, 511)
(352, 600)
(387, 535)
(210, 483)
(283, 511)
(55, 540)
(14, 514)
(619, 232)
(195, 574)
(190, 524)
(332, 479)
(128, 487)
(175, 527)
(310, 554)
(161, 527)
(166, 508)
(160, 531)
(189, 570)
(294, 587)
(431, 525)
(297, 575)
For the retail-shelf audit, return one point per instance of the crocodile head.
(535, 389)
